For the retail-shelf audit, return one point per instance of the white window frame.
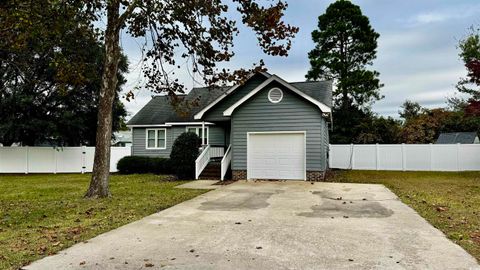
(196, 132)
(156, 138)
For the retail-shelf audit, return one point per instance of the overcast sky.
(417, 54)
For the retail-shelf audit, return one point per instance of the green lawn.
(42, 214)
(449, 201)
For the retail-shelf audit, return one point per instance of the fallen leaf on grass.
(475, 237)
(42, 249)
(75, 230)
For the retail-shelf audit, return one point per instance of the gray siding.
(216, 137)
(293, 113)
(216, 113)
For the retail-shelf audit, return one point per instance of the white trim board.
(200, 114)
(146, 126)
(188, 123)
(170, 124)
(324, 108)
(281, 132)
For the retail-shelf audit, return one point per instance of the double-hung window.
(199, 132)
(156, 138)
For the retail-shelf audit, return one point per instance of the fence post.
(352, 156)
(377, 156)
(55, 160)
(404, 158)
(458, 157)
(431, 156)
(329, 156)
(84, 152)
(26, 159)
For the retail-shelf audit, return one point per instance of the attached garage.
(276, 155)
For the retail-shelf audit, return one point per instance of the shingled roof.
(457, 137)
(321, 91)
(159, 109)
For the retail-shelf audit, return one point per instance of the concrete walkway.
(273, 225)
(200, 184)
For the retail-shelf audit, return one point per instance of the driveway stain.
(335, 207)
(240, 200)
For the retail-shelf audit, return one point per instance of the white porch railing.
(227, 158)
(204, 158)
(216, 151)
(202, 161)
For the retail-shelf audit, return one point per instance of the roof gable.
(215, 113)
(227, 93)
(323, 107)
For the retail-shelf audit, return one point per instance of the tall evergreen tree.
(345, 45)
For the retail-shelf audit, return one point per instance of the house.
(458, 137)
(265, 128)
(122, 138)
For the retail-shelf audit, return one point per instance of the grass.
(42, 214)
(449, 201)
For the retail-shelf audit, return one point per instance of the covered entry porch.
(215, 155)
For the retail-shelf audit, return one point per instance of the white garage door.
(276, 156)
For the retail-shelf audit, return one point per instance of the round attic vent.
(275, 95)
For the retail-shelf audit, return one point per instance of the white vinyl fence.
(406, 157)
(54, 160)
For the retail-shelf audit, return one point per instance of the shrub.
(138, 164)
(183, 155)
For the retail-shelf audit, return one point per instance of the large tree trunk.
(101, 165)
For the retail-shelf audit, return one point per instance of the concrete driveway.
(274, 225)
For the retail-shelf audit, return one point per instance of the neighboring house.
(458, 137)
(122, 138)
(265, 128)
